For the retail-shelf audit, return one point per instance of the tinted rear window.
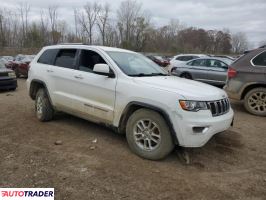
(48, 57)
(260, 59)
(66, 58)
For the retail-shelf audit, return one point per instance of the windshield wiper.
(159, 74)
(151, 74)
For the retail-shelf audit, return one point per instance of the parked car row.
(212, 70)
(20, 64)
(243, 78)
(160, 60)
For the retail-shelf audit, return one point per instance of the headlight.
(12, 75)
(193, 105)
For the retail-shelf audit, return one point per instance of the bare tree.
(239, 42)
(53, 18)
(2, 29)
(103, 17)
(24, 10)
(88, 19)
(127, 13)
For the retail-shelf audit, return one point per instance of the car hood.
(189, 89)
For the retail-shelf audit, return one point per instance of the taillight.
(231, 72)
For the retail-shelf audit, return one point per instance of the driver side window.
(88, 59)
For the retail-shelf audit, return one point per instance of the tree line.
(128, 27)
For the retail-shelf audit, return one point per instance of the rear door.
(217, 71)
(43, 67)
(61, 78)
(94, 93)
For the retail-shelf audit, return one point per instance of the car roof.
(80, 46)
(191, 55)
(215, 58)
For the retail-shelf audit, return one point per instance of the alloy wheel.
(147, 134)
(257, 102)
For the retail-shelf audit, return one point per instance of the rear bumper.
(8, 84)
(233, 95)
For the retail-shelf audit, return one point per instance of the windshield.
(134, 64)
(227, 60)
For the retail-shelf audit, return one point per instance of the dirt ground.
(231, 166)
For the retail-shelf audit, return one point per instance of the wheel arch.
(250, 87)
(35, 85)
(186, 72)
(133, 106)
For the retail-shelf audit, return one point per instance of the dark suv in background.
(247, 81)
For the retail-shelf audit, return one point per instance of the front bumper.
(6, 84)
(196, 129)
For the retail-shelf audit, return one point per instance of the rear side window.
(260, 59)
(66, 58)
(199, 62)
(48, 56)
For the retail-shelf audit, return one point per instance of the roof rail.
(72, 44)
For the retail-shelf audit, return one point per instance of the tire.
(173, 69)
(255, 101)
(43, 107)
(186, 75)
(157, 131)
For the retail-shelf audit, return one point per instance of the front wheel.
(186, 75)
(148, 135)
(255, 101)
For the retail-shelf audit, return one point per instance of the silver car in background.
(209, 70)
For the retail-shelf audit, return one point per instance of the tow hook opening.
(199, 129)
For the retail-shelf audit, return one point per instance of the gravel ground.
(231, 166)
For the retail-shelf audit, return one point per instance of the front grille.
(219, 107)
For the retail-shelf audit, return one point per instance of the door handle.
(78, 77)
(49, 70)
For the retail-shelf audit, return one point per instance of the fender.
(32, 89)
(135, 104)
(248, 86)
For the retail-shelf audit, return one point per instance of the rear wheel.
(148, 135)
(43, 107)
(186, 75)
(255, 101)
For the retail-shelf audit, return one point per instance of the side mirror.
(103, 69)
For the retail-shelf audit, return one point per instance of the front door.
(94, 93)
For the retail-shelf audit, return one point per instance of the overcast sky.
(248, 16)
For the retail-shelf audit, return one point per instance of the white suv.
(127, 91)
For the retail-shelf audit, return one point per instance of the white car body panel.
(104, 99)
